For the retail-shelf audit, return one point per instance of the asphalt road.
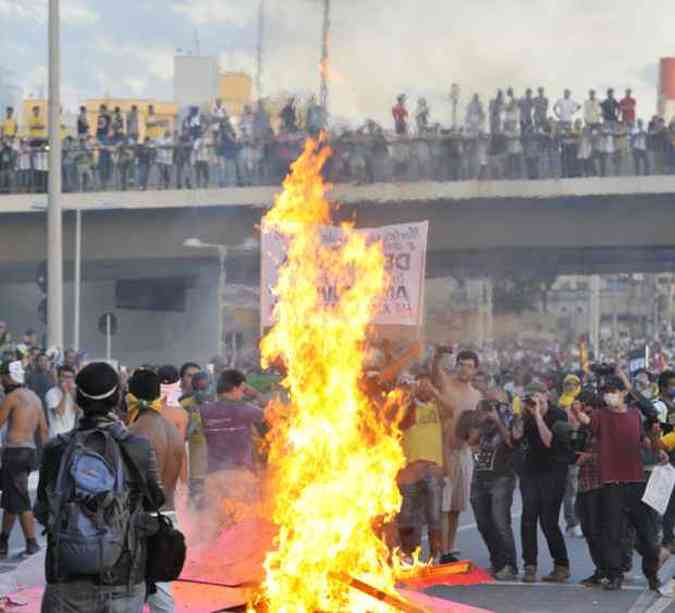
(513, 597)
(516, 597)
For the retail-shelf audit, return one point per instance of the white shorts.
(457, 490)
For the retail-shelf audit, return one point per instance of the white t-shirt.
(60, 424)
(566, 108)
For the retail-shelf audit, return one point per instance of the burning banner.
(333, 462)
(405, 250)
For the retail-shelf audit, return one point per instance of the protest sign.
(659, 488)
(404, 247)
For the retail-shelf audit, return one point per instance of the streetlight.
(454, 97)
(249, 244)
(54, 217)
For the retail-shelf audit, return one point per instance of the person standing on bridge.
(565, 109)
(22, 411)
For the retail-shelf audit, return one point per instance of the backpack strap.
(141, 479)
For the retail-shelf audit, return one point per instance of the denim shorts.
(422, 503)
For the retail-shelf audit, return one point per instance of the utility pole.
(594, 315)
(323, 67)
(54, 217)
(260, 50)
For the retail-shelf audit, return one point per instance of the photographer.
(542, 483)
(618, 431)
(487, 432)
(589, 500)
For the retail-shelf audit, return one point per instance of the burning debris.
(333, 461)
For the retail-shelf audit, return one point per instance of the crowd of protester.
(507, 138)
(573, 434)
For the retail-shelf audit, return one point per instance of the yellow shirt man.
(424, 439)
(36, 127)
(153, 127)
(8, 127)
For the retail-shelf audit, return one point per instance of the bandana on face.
(16, 372)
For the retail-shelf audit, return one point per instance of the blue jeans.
(491, 499)
(81, 596)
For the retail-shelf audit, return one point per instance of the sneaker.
(32, 547)
(448, 558)
(508, 573)
(575, 532)
(4, 546)
(664, 556)
(594, 580)
(530, 574)
(614, 585)
(560, 574)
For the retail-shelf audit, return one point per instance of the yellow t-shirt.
(153, 127)
(37, 127)
(668, 441)
(9, 127)
(424, 439)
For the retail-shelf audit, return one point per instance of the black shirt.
(538, 457)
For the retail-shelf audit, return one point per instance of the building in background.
(195, 80)
(198, 81)
(666, 93)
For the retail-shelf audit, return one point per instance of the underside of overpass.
(476, 237)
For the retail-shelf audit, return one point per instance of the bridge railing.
(357, 158)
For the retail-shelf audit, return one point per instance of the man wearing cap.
(618, 431)
(122, 587)
(542, 482)
(22, 411)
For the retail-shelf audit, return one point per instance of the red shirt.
(619, 441)
(400, 113)
(627, 106)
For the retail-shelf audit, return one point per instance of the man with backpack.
(97, 486)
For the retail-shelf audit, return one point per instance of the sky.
(379, 48)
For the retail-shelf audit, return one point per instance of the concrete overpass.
(570, 226)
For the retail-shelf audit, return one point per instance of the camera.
(603, 369)
(578, 440)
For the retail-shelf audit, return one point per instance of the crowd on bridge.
(510, 137)
(572, 433)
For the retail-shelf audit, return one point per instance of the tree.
(519, 293)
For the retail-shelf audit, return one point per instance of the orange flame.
(333, 460)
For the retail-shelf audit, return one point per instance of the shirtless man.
(460, 396)
(172, 410)
(169, 447)
(22, 410)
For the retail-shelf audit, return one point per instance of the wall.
(144, 336)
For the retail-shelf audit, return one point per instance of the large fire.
(333, 461)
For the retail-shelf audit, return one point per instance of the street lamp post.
(77, 279)
(54, 218)
(454, 98)
(223, 251)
